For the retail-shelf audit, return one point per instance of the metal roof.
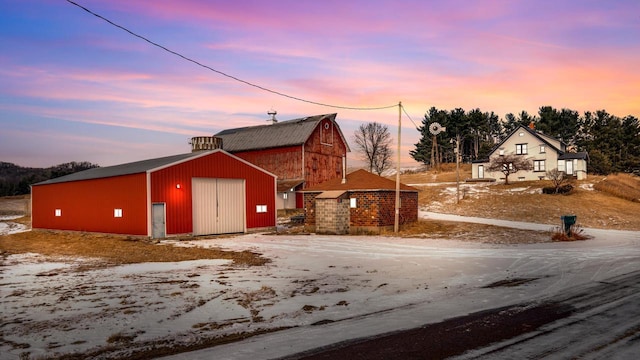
(122, 169)
(283, 133)
(570, 156)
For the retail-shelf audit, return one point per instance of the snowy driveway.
(326, 288)
(424, 281)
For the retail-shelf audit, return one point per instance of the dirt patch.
(115, 250)
(470, 232)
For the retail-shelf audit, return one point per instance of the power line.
(405, 112)
(223, 73)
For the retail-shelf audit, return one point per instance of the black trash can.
(568, 221)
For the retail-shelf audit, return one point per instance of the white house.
(545, 152)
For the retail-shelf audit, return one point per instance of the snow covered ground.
(325, 288)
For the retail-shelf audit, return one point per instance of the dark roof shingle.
(281, 134)
(122, 169)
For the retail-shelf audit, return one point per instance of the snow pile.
(353, 285)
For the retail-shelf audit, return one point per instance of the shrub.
(576, 232)
(564, 189)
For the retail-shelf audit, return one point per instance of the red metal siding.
(260, 190)
(89, 205)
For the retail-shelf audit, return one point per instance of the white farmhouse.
(545, 152)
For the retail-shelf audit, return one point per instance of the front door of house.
(569, 167)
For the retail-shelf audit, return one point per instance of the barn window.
(261, 208)
(353, 203)
(117, 212)
(285, 196)
(58, 212)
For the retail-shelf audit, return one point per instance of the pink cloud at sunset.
(68, 72)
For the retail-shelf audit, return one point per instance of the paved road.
(595, 321)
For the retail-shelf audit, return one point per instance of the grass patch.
(524, 201)
(114, 249)
(624, 186)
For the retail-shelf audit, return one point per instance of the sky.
(74, 87)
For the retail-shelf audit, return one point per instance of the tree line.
(16, 180)
(613, 143)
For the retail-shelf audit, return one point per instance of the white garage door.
(218, 206)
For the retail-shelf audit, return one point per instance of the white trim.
(149, 206)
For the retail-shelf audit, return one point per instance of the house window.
(538, 165)
(58, 212)
(542, 149)
(521, 149)
(501, 152)
(117, 212)
(353, 203)
(480, 171)
(561, 166)
(261, 208)
(509, 166)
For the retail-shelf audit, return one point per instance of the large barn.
(302, 152)
(199, 193)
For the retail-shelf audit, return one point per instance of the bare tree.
(557, 178)
(374, 143)
(509, 164)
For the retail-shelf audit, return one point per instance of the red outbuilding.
(199, 193)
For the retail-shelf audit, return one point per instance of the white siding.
(218, 206)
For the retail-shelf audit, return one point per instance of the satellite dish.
(435, 128)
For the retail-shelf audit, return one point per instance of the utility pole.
(396, 224)
(457, 168)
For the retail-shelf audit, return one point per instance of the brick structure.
(369, 198)
(332, 209)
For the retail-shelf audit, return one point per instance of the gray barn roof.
(122, 169)
(281, 134)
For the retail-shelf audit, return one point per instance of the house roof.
(542, 137)
(281, 134)
(570, 156)
(357, 181)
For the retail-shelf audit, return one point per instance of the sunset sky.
(76, 88)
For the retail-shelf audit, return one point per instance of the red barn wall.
(323, 154)
(89, 205)
(260, 190)
(284, 162)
